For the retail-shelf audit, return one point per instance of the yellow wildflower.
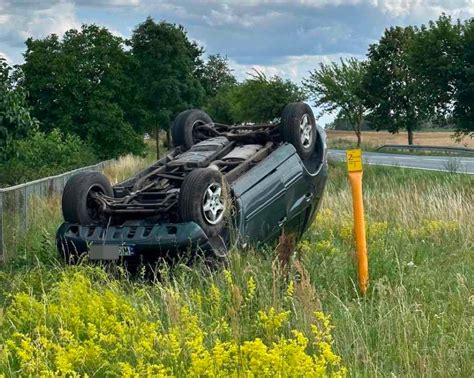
(251, 288)
(272, 320)
(228, 277)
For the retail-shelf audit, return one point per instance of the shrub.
(43, 154)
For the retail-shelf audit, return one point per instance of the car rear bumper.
(137, 241)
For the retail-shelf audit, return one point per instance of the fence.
(16, 202)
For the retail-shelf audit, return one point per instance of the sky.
(284, 37)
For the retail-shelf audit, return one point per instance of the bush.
(44, 154)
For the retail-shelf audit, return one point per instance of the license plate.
(126, 250)
(110, 251)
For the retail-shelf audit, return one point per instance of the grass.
(126, 166)
(345, 144)
(417, 317)
(253, 315)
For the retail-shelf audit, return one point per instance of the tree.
(393, 93)
(15, 116)
(339, 87)
(216, 75)
(80, 85)
(436, 60)
(262, 99)
(167, 72)
(221, 106)
(218, 82)
(464, 108)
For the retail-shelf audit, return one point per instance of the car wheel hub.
(306, 131)
(213, 204)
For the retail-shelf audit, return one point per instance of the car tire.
(298, 127)
(197, 204)
(184, 124)
(77, 204)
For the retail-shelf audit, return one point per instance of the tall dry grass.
(126, 166)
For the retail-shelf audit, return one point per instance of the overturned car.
(219, 187)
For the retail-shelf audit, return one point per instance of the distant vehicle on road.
(220, 186)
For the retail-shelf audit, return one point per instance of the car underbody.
(257, 175)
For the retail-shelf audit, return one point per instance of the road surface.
(430, 163)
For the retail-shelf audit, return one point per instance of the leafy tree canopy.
(262, 99)
(464, 110)
(216, 75)
(435, 59)
(219, 82)
(41, 154)
(79, 84)
(339, 87)
(15, 117)
(393, 93)
(167, 71)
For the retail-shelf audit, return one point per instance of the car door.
(299, 192)
(261, 194)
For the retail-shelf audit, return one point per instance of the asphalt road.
(430, 163)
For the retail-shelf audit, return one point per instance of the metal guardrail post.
(23, 201)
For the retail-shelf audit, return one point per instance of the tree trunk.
(356, 124)
(168, 138)
(358, 130)
(157, 139)
(410, 136)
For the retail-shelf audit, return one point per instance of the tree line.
(90, 95)
(411, 76)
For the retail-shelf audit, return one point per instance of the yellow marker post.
(354, 167)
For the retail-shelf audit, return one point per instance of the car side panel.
(298, 190)
(319, 182)
(278, 192)
(264, 207)
(261, 194)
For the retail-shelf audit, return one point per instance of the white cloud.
(108, 3)
(227, 15)
(57, 19)
(4, 18)
(423, 9)
(294, 68)
(116, 32)
(6, 57)
(243, 12)
(35, 19)
(288, 32)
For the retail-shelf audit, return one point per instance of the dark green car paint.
(279, 192)
(147, 239)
